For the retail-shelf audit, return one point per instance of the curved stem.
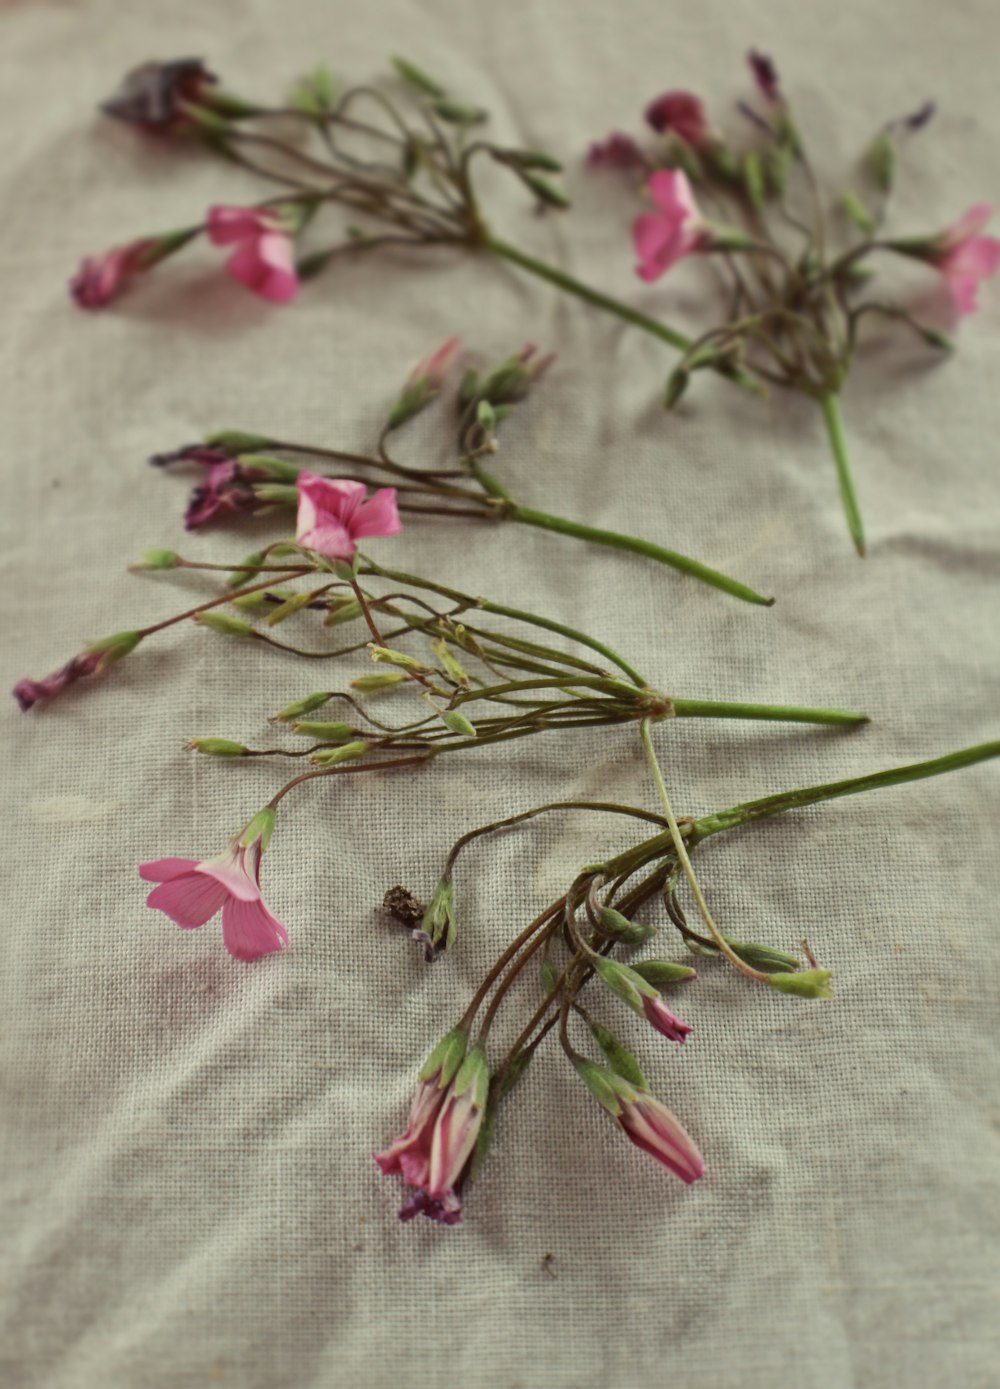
(830, 405)
(528, 516)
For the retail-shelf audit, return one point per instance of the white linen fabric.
(188, 1192)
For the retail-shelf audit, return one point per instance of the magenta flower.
(665, 237)
(100, 278)
(433, 1154)
(226, 491)
(680, 113)
(659, 1015)
(964, 257)
(333, 514)
(264, 259)
(91, 661)
(191, 893)
(616, 151)
(644, 1121)
(152, 96)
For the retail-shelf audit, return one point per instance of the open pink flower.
(264, 259)
(678, 228)
(191, 893)
(651, 1127)
(334, 513)
(101, 278)
(964, 257)
(681, 113)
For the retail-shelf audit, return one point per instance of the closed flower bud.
(235, 441)
(301, 706)
(622, 929)
(458, 723)
(546, 192)
(329, 732)
(439, 919)
(368, 684)
(291, 605)
(855, 211)
(394, 658)
(277, 469)
(262, 598)
(458, 112)
(248, 569)
(342, 610)
(156, 559)
(660, 972)
(881, 160)
(113, 648)
(228, 626)
(763, 957)
(329, 757)
(217, 747)
(449, 663)
(807, 983)
(417, 77)
(753, 179)
(619, 1058)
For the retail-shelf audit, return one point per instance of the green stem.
(529, 517)
(835, 430)
(561, 280)
(751, 811)
(784, 713)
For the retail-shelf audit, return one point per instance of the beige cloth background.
(188, 1196)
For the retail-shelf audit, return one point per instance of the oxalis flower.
(264, 259)
(94, 659)
(961, 255)
(101, 278)
(644, 1120)
(664, 237)
(682, 113)
(434, 1153)
(191, 893)
(333, 514)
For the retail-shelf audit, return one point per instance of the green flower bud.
(217, 747)
(261, 597)
(439, 918)
(289, 606)
(619, 1058)
(855, 211)
(248, 570)
(624, 930)
(753, 179)
(545, 191)
(228, 626)
(458, 113)
(278, 493)
(677, 384)
(301, 706)
(328, 732)
(342, 610)
(881, 160)
(394, 658)
(368, 684)
(532, 159)
(417, 78)
(329, 757)
(660, 972)
(457, 722)
(548, 976)
(234, 441)
(763, 957)
(156, 559)
(114, 648)
(807, 983)
(450, 665)
(446, 1058)
(278, 469)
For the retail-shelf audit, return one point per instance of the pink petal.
(330, 539)
(249, 930)
(653, 1128)
(378, 515)
(969, 224)
(671, 191)
(161, 870)
(228, 224)
(190, 900)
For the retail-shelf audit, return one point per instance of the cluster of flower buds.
(797, 282)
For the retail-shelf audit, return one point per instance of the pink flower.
(264, 259)
(424, 383)
(92, 661)
(664, 237)
(434, 1153)
(333, 514)
(644, 1121)
(191, 893)
(679, 112)
(227, 490)
(659, 1015)
(964, 257)
(616, 151)
(651, 1127)
(100, 278)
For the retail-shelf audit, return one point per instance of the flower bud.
(341, 610)
(262, 597)
(277, 469)
(677, 384)
(533, 159)
(763, 957)
(417, 78)
(881, 160)
(217, 747)
(368, 684)
(753, 179)
(807, 983)
(276, 493)
(855, 211)
(619, 1058)
(329, 757)
(660, 972)
(448, 661)
(458, 723)
(315, 93)
(301, 706)
(439, 918)
(548, 976)
(394, 658)
(622, 929)
(228, 626)
(249, 569)
(546, 192)
(156, 559)
(335, 732)
(236, 441)
(458, 112)
(291, 605)
(113, 648)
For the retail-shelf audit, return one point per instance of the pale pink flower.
(100, 278)
(651, 1127)
(333, 514)
(409, 1155)
(678, 228)
(659, 1015)
(964, 257)
(433, 370)
(192, 892)
(681, 113)
(264, 259)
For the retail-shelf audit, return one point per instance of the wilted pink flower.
(659, 1015)
(151, 96)
(264, 259)
(652, 1127)
(101, 277)
(616, 151)
(964, 257)
(680, 113)
(333, 514)
(191, 893)
(678, 228)
(226, 491)
(94, 659)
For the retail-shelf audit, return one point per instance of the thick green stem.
(561, 280)
(696, 570)
(835, 430)
(750, 811)
(783, 713)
